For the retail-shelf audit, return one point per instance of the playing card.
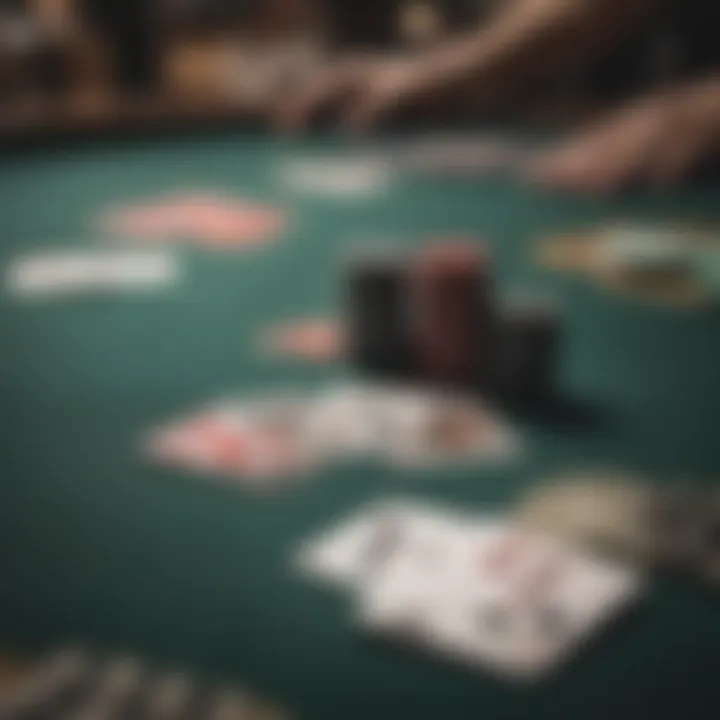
(208, 219)
(350, 552)
(72, 273)
(497, 597)
(660, 264)
(435, 429)
(337, 178)
(311, 339)
(342, 420)
(248, 442)
(605, 511)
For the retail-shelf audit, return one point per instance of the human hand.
(362, 91)
(657, 141)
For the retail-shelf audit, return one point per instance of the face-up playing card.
(342, 179)
(208, 219)
(246, 442)
(349, 553)
(604, 511)
(283, 437)
(434, 429)
(343, 420)
(312, 339)
(495, 597)
(72, 273)
(660, 264)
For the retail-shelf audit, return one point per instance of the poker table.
(98, 546)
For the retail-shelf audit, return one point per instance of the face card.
(501, 599)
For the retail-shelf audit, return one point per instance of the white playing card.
(435, 429)
(348, 553)
(342, 421)
(89, 271)
(497, 598)
(346, 179)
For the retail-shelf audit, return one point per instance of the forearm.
(532, 37)
(698, 103)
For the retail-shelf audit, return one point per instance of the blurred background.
(74, 64)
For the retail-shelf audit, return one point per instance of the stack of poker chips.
(433, 316)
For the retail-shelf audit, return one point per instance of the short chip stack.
(434, 317)
(378, 314)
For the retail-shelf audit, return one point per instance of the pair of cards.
(479, 591)
(286, 435)
(79, 272)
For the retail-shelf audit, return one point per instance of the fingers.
(295, 113)
(605, 159)
(366, 109)
(679, 158)
(365, 90)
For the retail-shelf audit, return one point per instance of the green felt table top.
(97, 546)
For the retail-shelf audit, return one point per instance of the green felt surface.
(97, 546)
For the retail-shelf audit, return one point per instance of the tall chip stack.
(453, 314)
(433, 317)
